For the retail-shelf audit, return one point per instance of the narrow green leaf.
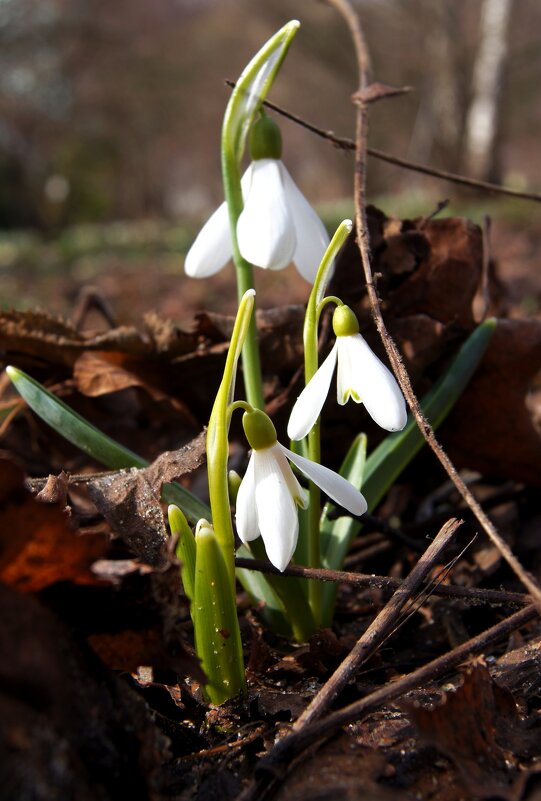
(388, 460)
(263, 597)
(337, 534)
(289, 592)
(94, 442)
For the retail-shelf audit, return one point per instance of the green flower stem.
(316, 302)
(253, 379)
(218, 440)
(244, 103)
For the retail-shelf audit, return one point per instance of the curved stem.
(316, 302)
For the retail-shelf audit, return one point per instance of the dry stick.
(344, 143)
(383, 624)
(359, 98)
(472, 594)
(278, 760)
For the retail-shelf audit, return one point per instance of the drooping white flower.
(276, 226)
(360, 376)
(269, 493)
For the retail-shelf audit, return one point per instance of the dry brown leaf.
(37, 546)
(491, 428)
(130, 499)
(130, 649)
(465, 727)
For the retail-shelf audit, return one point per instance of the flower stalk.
(315, 305)
(244, 103)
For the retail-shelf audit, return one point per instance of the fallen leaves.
(130, 499)
(470, 726)
(37, 546)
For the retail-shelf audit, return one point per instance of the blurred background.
(110, 117)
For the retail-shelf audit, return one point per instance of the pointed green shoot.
(92, 441)
(184, 550)
(217, 635)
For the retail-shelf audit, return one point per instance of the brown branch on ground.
(279, 760)
(387, 583)
(380, 629)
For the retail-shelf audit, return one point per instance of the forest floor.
(99, 690)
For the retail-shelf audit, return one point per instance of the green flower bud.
(344, 322)
(233, 482)
(259, 429)
(265, 140)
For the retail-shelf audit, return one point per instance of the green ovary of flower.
(265, 140)
(259, 429)
(344, 322)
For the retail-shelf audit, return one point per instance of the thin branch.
(378, 631)
(278, 761)
(344, 143)
(344, 8)
(386, 583)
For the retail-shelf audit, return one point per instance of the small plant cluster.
(267, 222)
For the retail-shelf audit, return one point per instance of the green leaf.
(94, 442)
(287, 590)
(387, 461)
(337, 534)
(263, 597)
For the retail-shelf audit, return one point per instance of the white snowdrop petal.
(299, 495)
(346, 386)
(212, 248)
(265, 229)
(330, 482)
(276, 509)
(312, 237)
(308, 405)
(376, 385)
(246, 513)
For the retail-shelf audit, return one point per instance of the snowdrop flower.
(360, 376)
(269, 494)
(277, 224)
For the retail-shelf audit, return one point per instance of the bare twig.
(278, 761)
(344, 8)
(379, 629)
(386, 583)
(345, 143)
